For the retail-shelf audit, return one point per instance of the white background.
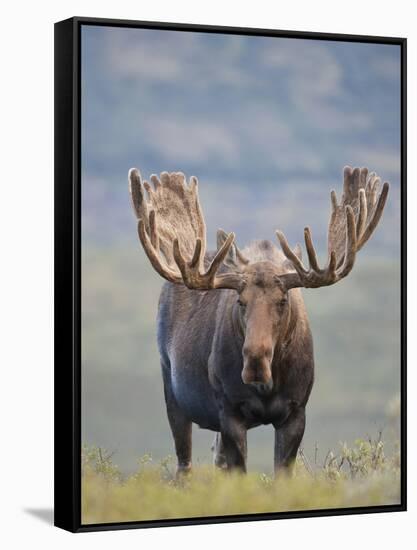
(26, 275)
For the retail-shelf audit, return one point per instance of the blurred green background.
(267, 125)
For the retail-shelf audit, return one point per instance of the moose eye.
(241, 304)
(283, 302)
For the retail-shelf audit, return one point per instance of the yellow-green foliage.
(357, 476)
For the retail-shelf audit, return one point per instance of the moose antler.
(172, 231)
(352, 222)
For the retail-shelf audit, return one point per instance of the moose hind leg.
(287, 440)
(219, 456)
(234, 442)
(181, 427)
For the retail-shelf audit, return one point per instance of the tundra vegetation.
(360, 475)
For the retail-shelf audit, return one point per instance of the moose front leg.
(234, 442)
(181, 427)
(288, 437)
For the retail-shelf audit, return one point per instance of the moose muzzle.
(257, 367)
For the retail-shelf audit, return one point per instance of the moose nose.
(257, 366)
(263, 389)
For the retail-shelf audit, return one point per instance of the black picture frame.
(68, 271)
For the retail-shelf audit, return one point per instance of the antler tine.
(375, 216)
(363, 213)
(137, 196)
(297, 263)
(350, 250)
(311, 253)
(153, 231)
(220, 255)
(333, 198)
(156, 182)
(196, 259)
(352, 222)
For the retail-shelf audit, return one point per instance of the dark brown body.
(228, 370)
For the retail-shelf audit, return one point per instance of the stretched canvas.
(230, 214)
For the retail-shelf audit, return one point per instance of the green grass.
(358, 476)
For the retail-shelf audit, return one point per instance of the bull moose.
(233, 334)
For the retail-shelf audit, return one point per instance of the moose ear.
(234, 258)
